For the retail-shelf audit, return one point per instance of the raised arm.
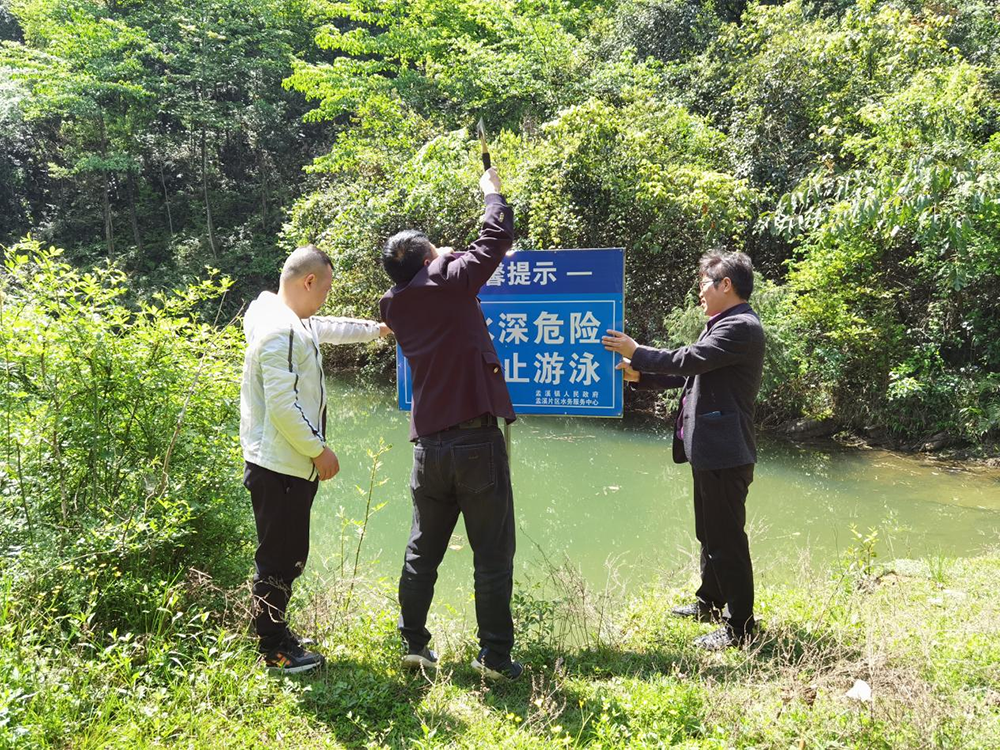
(473, 268)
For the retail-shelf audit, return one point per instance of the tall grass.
(931, 659)
(123, 618)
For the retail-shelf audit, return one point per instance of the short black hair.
(718, 264)
(404, 253)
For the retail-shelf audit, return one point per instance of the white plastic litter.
(860, 692)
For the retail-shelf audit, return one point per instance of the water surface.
(594, 491)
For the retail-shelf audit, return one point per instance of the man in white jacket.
(283, 434)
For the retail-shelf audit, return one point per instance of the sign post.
(546, 311)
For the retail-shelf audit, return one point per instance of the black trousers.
(281, 507)
(720, 524)
(461, 471)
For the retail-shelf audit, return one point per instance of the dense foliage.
(155, 134)
(120, 448)
(850, 146)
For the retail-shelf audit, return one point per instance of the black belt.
(484, 420)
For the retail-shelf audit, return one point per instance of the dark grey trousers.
(720, 524)
(281, 508)
(461, 471)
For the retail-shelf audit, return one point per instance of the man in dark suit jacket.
(720, 376)
(460, 462)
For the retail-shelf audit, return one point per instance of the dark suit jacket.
(439, 325)
(721, 375)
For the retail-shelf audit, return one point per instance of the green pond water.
(606, 492)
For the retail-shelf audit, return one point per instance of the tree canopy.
(849, 146)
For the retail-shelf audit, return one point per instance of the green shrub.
(897, 232)
(786, 388)
(120, 438)
(640, 174)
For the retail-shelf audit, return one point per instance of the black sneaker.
(698, 610)
(723, 638)
(291, 658)
(493, 669)
(304, 641)
(422, 659)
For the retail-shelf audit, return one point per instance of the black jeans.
(720, 525)
(461, 471)
(281, 507)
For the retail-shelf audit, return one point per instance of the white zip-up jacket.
(283, 398)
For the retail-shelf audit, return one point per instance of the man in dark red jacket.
(460, 462)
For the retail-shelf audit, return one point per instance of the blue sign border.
(585, 275)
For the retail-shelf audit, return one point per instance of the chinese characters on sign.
(546, 312)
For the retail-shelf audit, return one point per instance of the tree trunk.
(109, 229)
(262, 165)
(166, 201)
(204, 191)
(136, 234)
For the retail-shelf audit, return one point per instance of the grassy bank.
(923, 634)
(125, 539)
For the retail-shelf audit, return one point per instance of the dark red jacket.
(439, 325)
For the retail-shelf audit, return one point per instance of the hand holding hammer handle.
(482, 142)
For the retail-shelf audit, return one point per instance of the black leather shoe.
(698, 610)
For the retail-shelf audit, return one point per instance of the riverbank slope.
(923, 635)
